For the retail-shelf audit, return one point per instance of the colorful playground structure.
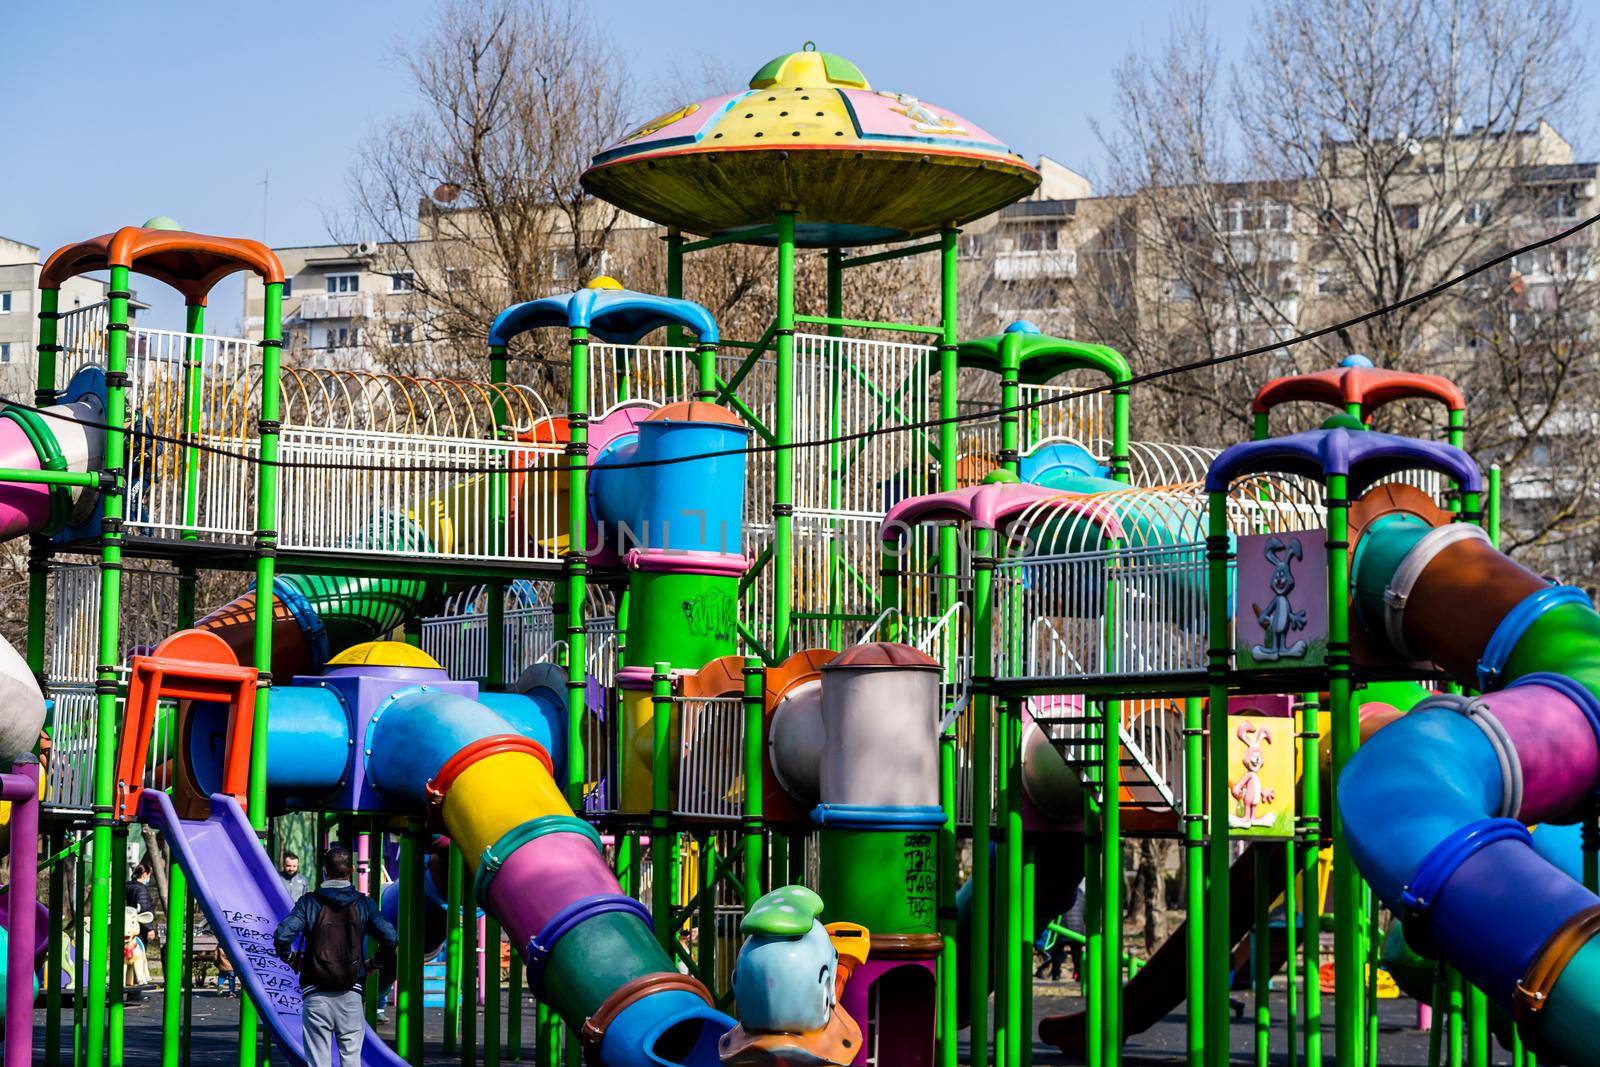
(698, 684)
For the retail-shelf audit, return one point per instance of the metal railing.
(149, 599)
(710, 757)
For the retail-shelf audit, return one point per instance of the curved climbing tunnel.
(1436, 805)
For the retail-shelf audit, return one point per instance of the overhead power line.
(977, 415)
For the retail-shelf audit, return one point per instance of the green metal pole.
(1291, 933)
(1478, 1016)
(80, 999)
(1218, 937)
(1374, 943)
(783, 460)
(496, 621)
(452, 950)
(1591, 849)
(1349, 953)
(404, 1006)
(577, 564)
(1021, 958)
(1260, 976)
(53, 962)
(1457, 1037)
(1310, 868)
(469, 976)
(705, 944)
(754, 745)
(949, 597)
(266, 544)
(1005, 951)
(837, 358)
(173, 959)
(492, 940)
(661, 806)
(514, 1010)
(1491, 511)
(981, 922)
(117, 936)
(188, 982)
(1436, 1029)
(1194, 876)
(109, 654)
(44, 384)
(1029, 924)
(194, 407)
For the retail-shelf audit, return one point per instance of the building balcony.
(319, 306)
(1033, 264)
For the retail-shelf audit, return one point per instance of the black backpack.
(334, 948)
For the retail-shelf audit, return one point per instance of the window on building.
(288, 286)
(5, 303)
(5, 351)
(1254, 216)
(1330, 281)
(344, 283)
(1038, 239)
(457, 277)
(399, 333)
(1563, 202)
(1406, 216)
(339, 336)
(1478, 213)
(402, 281)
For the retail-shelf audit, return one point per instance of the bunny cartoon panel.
(1283, 600)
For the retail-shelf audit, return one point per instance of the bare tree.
(476, 194)
(1396, 124)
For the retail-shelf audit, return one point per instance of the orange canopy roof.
(191, 263)
(1371, 387)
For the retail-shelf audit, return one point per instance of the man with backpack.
(335, 920)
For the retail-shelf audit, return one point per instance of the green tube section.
(1492, 622)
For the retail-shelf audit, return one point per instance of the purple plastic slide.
(243, 898)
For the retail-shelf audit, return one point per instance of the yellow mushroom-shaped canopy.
(856, 165)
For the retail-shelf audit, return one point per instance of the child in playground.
(226, 975)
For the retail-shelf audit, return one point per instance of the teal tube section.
(1434, 804)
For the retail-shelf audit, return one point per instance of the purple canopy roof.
(1363, 456)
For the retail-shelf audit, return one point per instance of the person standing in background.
(293, 880)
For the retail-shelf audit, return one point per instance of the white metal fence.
(711, 757)
(149, 603)
(373, 463)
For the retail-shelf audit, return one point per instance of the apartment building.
(1266, 255)
(357, 305)
(19, 312)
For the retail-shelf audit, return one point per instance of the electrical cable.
(978, 415)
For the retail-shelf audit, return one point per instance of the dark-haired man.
(334, 922)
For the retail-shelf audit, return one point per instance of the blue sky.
(160, 107)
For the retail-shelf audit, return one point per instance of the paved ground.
(214, 1042)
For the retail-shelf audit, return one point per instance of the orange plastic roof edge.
(131, 244)
(1370, 387)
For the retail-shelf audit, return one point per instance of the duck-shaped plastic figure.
(786, 984)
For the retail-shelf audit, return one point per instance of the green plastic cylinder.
(886, 880)
(1376, 558)
(1571, 1017)
(596, 957)
(690, 622)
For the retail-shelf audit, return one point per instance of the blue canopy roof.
(1363, 456)
(618, 316)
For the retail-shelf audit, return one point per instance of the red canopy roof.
(1371, 387)
(191, 263)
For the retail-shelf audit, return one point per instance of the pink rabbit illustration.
(1248, 790)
